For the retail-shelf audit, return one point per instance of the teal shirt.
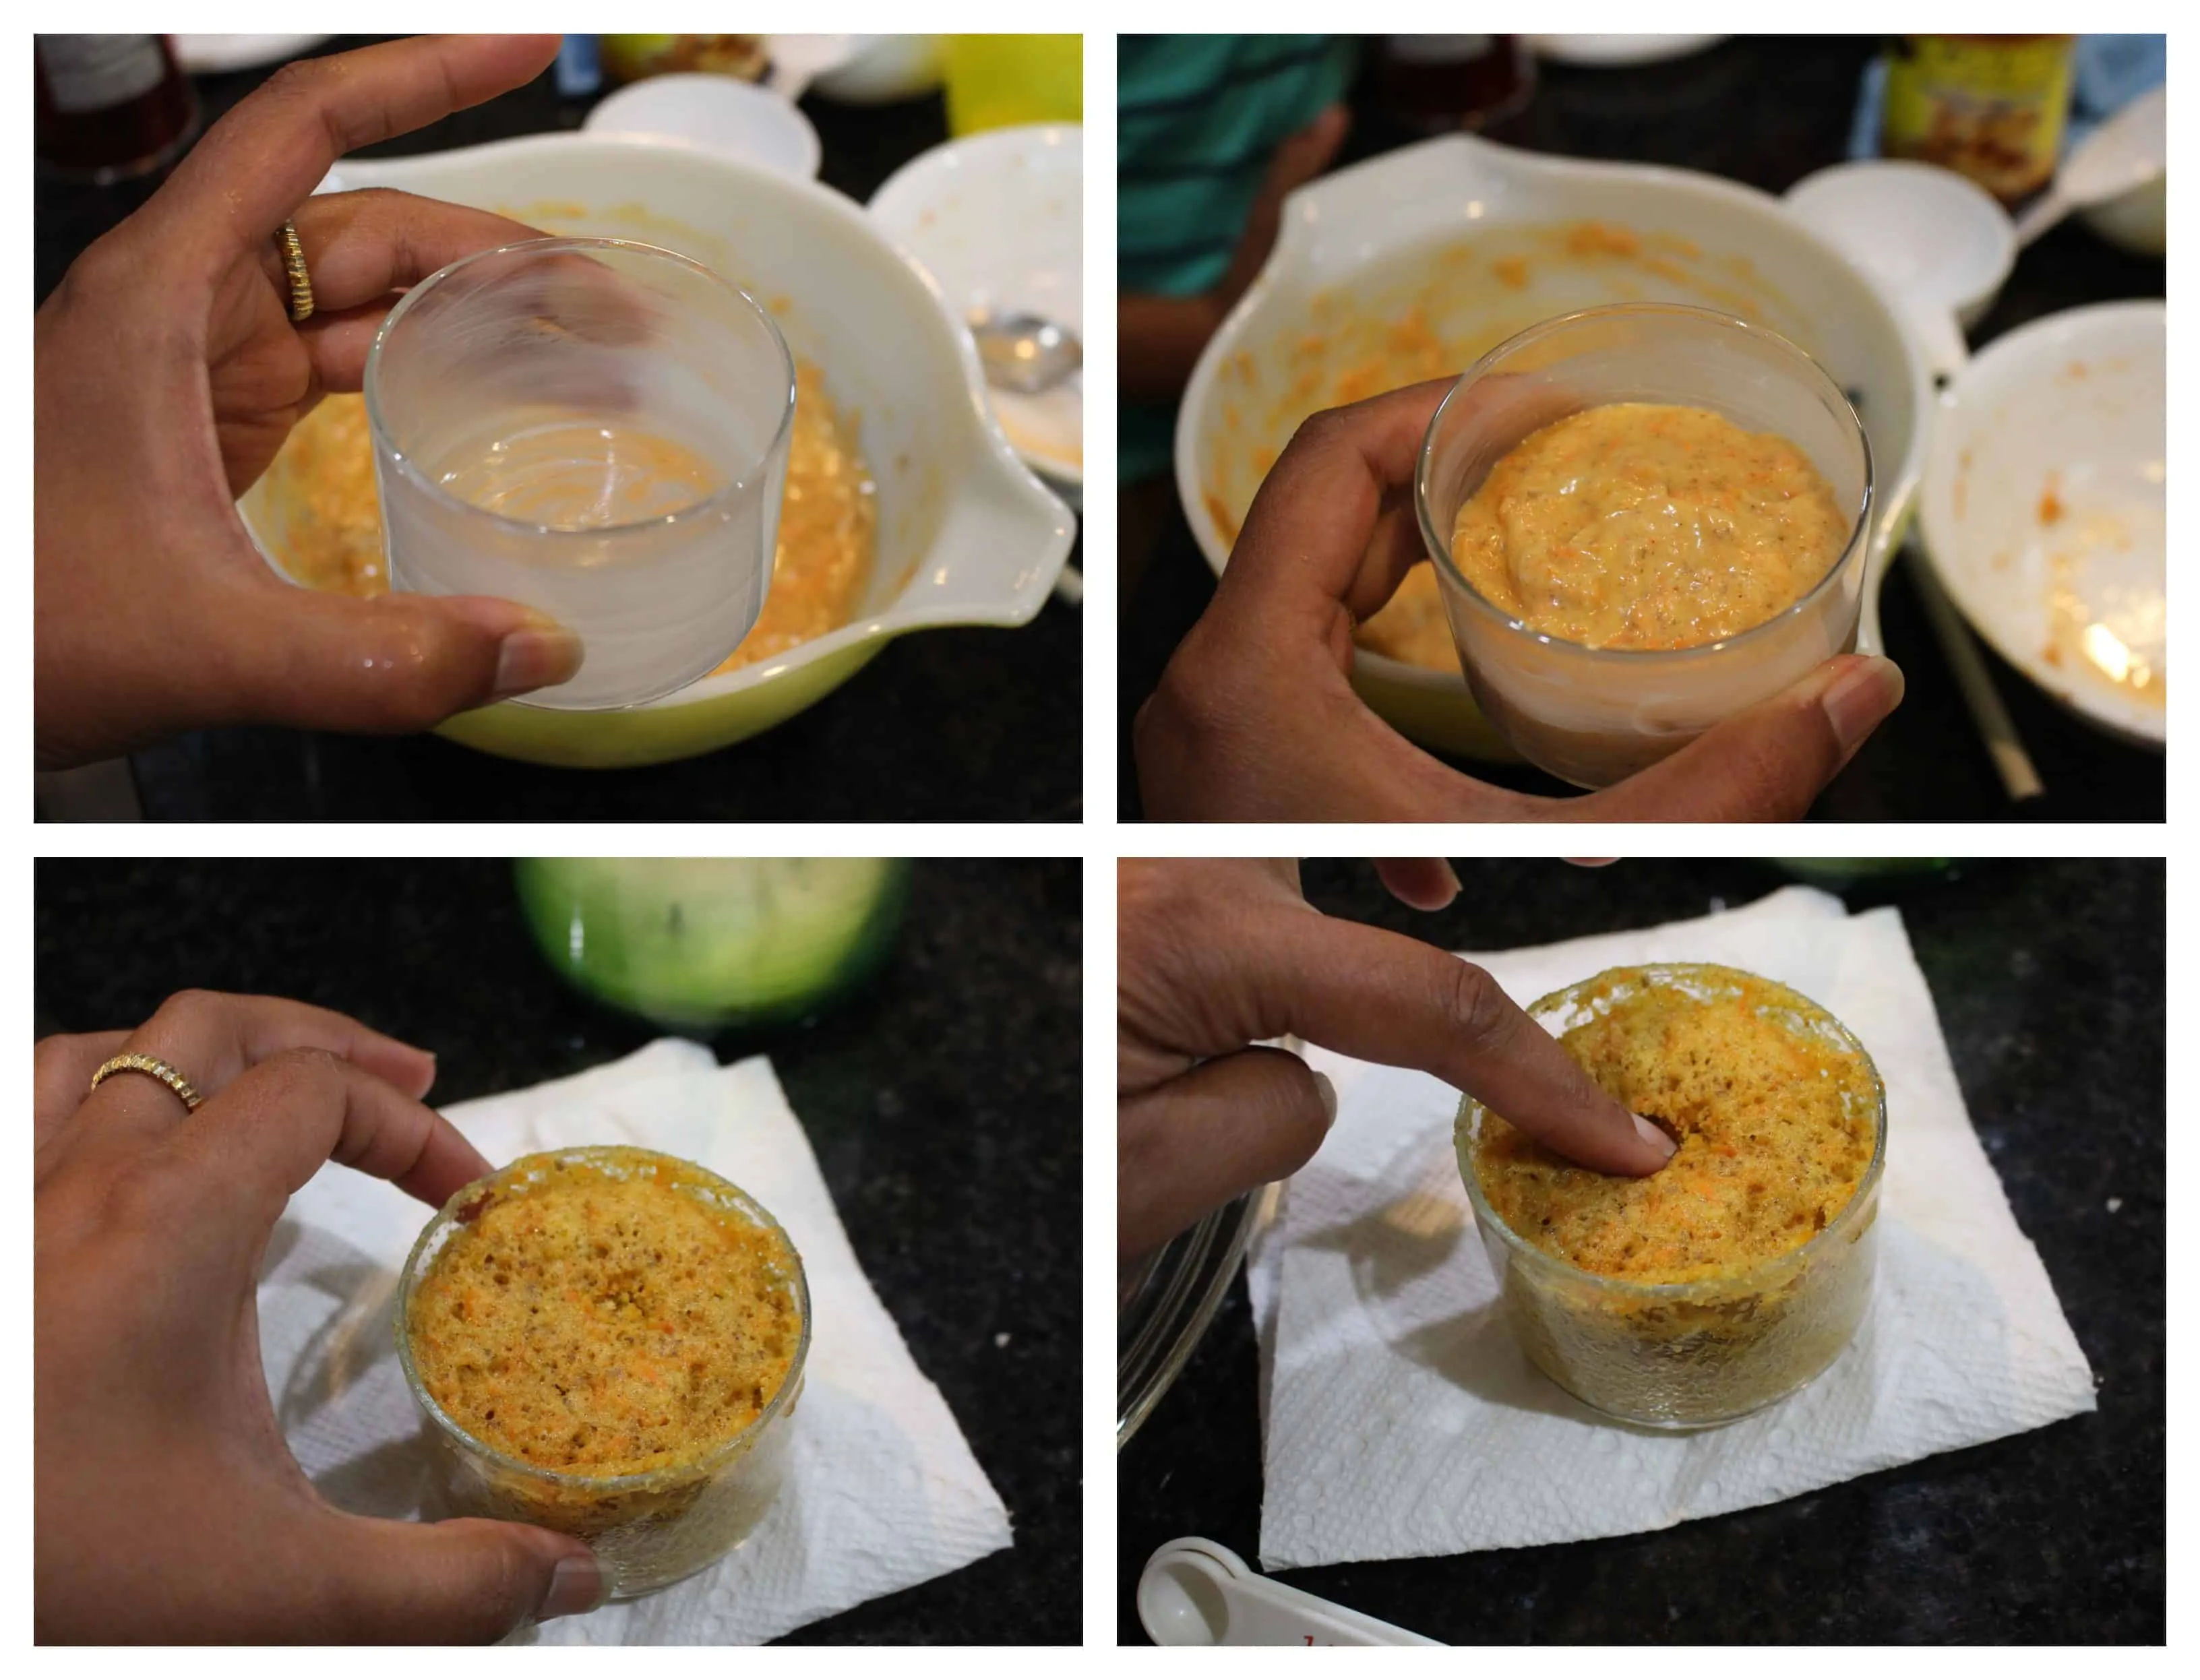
(1197, 119)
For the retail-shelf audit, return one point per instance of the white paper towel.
(1404, 1420)
(881, 1490)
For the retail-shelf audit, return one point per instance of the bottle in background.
(1990, 107)
(1441, 84)
(110, 108)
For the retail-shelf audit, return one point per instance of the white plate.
(997, 220)
(718, 114)
(1618, 49)
(2044, 507)
(215, 55)
(797, 60)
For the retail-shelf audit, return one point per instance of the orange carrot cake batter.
(327, 521)
(1649, 525)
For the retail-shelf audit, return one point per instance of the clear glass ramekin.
(1685, 1356)
(649, 1528)
(1594, 715)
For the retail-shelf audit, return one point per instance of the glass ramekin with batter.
(1645, 518)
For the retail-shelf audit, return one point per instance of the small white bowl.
(735, 118)
(998, 221)
(2137, 221)
(2043, 507)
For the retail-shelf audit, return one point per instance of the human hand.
(1214, 955)
(1160, 339)
(1302, 157)
(1256, 720)
(167, 1508)
(167, 375)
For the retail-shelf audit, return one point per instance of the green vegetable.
(713, 943)
(1842, 872)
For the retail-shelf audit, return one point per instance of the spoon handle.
(2048, 208)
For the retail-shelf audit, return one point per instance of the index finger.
(259, 163)
(1306, 536)
(282, 1120)
(211, 1038)
(1383, 997)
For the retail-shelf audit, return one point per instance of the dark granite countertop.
(1770, 111)
(2048, 976)
(955, 724)
(943, 1103)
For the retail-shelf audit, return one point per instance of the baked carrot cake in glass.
(1737, 1271)
(605, 1338)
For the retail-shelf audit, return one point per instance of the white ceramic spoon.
(2127, 150)
(1196, 1592)
(1937, 246)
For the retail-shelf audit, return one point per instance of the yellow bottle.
(1991, 107)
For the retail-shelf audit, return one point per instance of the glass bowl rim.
(1438, 544)
(378, 430)
(1794, 1260)
(634, 1480)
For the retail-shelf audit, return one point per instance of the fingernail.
(532, 659)
(1451, 876)
(1321, 1083)
(577, 1585)
(1652, 1132)
(1860, 698)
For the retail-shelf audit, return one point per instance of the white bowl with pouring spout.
(1433, 254)
(967, 535)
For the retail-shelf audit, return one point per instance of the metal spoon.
(1025, 353)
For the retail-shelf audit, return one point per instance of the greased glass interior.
(649, 1528)
(1684, 1356)
(1594, 715)
(599, 429)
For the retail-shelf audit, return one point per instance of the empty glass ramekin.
(648, 1529)
(1685, 1356)
(1594, 715)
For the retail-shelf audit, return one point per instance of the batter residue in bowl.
(1776, 1124)
(1649, 525)
(328, 524)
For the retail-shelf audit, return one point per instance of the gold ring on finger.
(131, 1061)
(294, 265)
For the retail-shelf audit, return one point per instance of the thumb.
(1766, 764)
(1222, 1128)
(398, 663)
(468, 1581)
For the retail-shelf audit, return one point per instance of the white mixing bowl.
(1448, 248)
(966, 535)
